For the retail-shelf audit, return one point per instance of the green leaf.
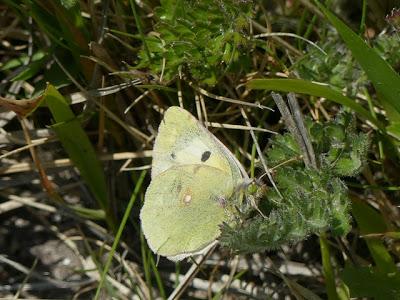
(23, 59)
(385, 80)
(371, 283)
(394, 129)
(30, 70)
(370, 221)
(77, 144)
(314, 89)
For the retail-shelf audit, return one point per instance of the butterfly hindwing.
(183, 209)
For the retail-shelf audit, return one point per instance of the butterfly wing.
(182, 140)
(183, 209)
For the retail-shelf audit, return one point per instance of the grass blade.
(327, 268)
(314, 89)
(78, 146)
(127, 213)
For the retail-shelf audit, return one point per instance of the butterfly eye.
(205, 156)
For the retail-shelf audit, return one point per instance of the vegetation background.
(83, 85)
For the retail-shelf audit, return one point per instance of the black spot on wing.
(205, 156)
(173, 155)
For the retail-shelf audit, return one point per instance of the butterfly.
(194, 184)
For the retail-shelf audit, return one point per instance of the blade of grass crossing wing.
(158, 278)
(385, 80)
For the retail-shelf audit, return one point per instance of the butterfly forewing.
(182, 140)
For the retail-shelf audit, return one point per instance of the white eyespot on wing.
(187, 199)
(191, 150)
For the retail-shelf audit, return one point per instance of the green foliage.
(342, 150)
(380, 285)
(383, 77)
(338, 66)
(313, 200)
(202, 38)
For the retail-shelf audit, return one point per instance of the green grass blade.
(385, 80)
(77, 144)
(327, 268)
(127, 213)
(146, 257)
(140, 29)
(31, 70)
(314, 89)
(88, 213)
(22, 60)
(159, 280)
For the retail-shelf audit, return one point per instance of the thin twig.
(260, 153)
(226, 99)
(190, 274)
(65, 162)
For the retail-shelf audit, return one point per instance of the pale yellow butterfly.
(195, 178)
